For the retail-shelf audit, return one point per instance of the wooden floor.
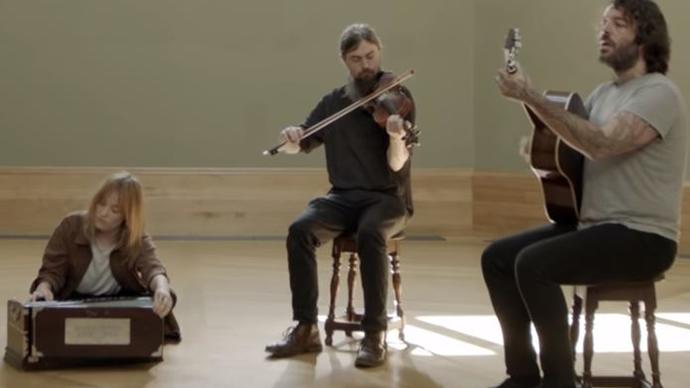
(234, 298)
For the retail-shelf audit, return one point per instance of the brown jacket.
(68, 255)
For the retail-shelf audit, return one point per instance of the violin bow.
(357, 104)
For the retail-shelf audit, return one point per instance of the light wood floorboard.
(234, 298)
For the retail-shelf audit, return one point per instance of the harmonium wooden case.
(97, 331)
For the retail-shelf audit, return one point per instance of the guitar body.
(557, 165)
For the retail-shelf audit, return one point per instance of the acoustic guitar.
(557, 165)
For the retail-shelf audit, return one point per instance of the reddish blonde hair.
(131, 199)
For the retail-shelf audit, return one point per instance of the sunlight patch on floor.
(611, 331)
(430, 343)
(427, 343)
(611, 334)
(677, 317)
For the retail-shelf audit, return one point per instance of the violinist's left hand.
(395, 127)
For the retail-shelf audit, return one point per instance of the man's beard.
(622, 58)
(363, 85)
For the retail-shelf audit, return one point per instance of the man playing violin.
(369, 170)
(634, 143)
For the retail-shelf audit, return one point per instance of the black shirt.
(356, 149)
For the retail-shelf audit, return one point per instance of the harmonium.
(95, 331)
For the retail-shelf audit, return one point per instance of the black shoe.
(303, 338)
(372, 350)
(520, 383)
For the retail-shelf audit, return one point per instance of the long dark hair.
(651, 34)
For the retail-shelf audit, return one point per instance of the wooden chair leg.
(397, 289)
(351, 279)
(652, 346)
(335, 283)
(635, 336)
(590, 307)
(575, 324)
(634, 293)
(351, 322)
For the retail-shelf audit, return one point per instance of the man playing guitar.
(634, 143)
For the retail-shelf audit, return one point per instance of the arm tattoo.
(623, 133)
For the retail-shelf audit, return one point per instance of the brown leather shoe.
(303, 338)
(372, 350)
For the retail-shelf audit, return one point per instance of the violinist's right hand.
(42, 292)
(291, 136)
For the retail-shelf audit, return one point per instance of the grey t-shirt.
(99, 279)
(641, 189)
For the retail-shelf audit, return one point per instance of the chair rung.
(620, 381)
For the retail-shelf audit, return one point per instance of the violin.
(393, 103)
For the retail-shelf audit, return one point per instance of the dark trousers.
(524, 272)
(374, 217)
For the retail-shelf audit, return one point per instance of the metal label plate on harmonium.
(83, 332)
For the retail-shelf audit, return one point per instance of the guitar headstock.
(510, 49)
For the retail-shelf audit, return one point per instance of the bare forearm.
(579, 133)
(622, 133)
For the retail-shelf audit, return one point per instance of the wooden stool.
(352, 320)
(633, 293)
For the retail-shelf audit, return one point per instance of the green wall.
(209, 83)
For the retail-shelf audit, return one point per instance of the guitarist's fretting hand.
(516, 86)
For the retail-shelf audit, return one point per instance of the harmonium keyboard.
(82, 332)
